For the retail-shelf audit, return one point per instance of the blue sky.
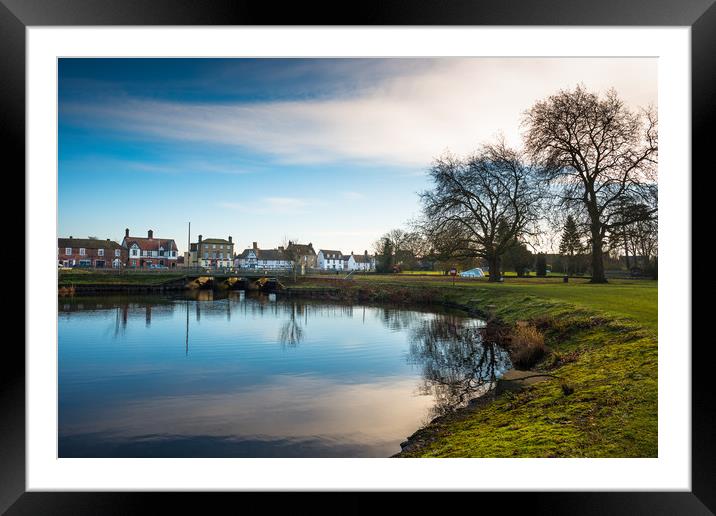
(328, 151)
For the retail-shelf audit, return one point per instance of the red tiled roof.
(87, 243)
(150, 244)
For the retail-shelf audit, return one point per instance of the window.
(206, 256)
(117, 252)
(206, 246)
(68, 251)
(100, 252)
(82, 251)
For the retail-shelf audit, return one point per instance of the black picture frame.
(17, 15)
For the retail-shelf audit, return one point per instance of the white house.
(361, 262)
(330, 260)
(255, 258)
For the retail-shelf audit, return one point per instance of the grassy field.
(633, 299)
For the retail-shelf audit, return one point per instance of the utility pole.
(188, 247)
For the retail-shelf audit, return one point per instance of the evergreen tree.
(385, 258)
(571, 243)
(541, 266)
(519, 258)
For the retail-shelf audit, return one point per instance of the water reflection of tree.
(457, 363)
(291, 332)
(397, 320)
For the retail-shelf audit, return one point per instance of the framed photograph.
(415, 250)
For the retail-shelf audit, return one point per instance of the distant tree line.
(588, 164)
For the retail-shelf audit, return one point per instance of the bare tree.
(479, 206)
(599, 157)
(405, 248)
(292, 253)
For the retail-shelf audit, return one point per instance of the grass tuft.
(526, 344)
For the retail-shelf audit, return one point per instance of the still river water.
(254, 376)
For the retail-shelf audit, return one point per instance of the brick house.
(149, 251)
(304, 253)
(90, 252)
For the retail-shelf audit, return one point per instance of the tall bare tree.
(480, 205)
(598, 156)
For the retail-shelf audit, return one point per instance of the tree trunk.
(598, 275)
(494, 263)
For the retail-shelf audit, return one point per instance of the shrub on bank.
(526, 345)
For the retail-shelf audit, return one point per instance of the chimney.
(200, 239)
(365, 253)
(255, 246)
(230, 241)
(126, 233)
(150, 234)
(310, 245)
(290, 243)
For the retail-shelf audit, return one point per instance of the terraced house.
(255, 258)
(90, 252)
(150, 252)
(211, 253)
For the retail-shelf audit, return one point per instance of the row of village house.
(155, 252)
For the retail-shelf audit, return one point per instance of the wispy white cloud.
(406, 119)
